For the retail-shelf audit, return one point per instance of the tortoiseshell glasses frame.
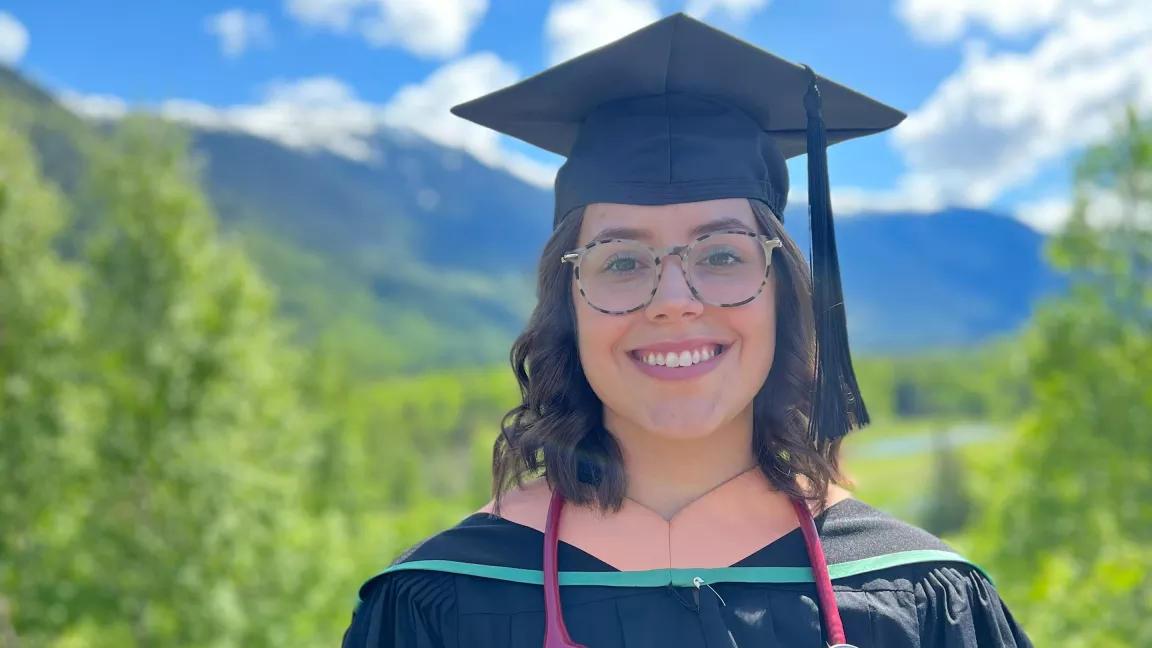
(658, 255)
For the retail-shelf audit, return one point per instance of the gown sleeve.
(406, 610)
(960, 608)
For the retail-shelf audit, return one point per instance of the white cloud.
(13, 39)
(739, 10)
(424, 109)
(906, 198)
(94, 106)
(238, 30)
(944, 21)
(427, 28)
(574, 27)
(854, 201)
(317, 113)
(1003, 116)
(1103, 209)
(1046, 214)
(324, 113)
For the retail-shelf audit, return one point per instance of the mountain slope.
(454, 286)
(915, 281)
(421, 200)
(429, 254)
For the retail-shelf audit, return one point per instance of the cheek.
(598, 336)
(756, 326)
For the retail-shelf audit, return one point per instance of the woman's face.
(617, 351)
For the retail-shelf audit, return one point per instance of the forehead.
(665, 223)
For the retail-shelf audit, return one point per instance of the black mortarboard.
(681, 112)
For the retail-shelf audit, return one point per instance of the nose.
(674, 298)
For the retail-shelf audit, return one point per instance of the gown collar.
(719, 529)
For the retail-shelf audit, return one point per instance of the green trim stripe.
(683, 577)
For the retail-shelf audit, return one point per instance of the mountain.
(432, 244)
(430, 254)
(441, 207)
(921, 281)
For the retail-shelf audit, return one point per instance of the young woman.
(670, 478)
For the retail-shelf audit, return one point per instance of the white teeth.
(682, 359)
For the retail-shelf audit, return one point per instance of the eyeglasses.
(620, 276)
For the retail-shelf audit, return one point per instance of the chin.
(686, 417)
(683, 433)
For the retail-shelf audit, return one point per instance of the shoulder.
(953, 600)
(861, 539)
(481, 540)
(405, 609)
(407, 603)
(853, 530)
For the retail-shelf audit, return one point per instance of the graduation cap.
(682, 112)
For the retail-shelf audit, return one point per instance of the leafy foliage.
(1069, 529)
(177, 471)
(41, 415)
(199, 433)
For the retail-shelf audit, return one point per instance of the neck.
(665, 475)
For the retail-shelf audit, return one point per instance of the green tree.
(906, 399)
(192, 531)
(40, 423)
(1069, 532)
(949, 505)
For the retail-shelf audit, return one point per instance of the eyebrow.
(719, 224)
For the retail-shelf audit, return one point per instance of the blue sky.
(999, 96)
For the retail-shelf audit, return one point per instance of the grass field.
(892, 463)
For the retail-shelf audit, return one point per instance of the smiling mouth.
(684, 358)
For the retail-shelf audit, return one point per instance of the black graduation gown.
(934, 600)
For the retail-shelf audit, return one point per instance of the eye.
(721, 257)
(620, 262)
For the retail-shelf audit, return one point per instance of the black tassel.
(837, 406)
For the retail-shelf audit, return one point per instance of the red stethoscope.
(556, 633)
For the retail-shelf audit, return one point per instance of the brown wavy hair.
(558, 427)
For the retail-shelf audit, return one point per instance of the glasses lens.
(617, 276)
(727, 268)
